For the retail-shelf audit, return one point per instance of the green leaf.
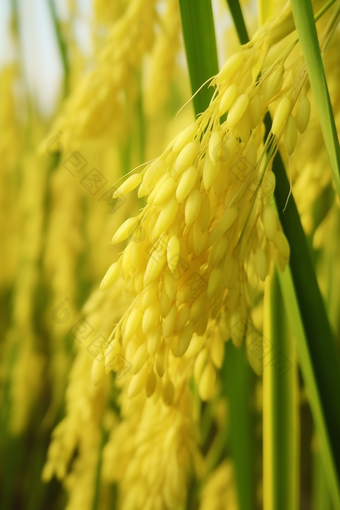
(320, 489)
(319, 341)
(316, 350)
(280, 395)
(237, 382)
(305, 25)
(280, 405)
(98, 477)
(240, 26)
(315, 386)
(200, 47)
(62, 47)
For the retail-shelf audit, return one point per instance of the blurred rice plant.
(237, 420)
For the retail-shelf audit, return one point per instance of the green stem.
(98, 481)
(237, 383)
(323, 356)
(318, 358)
(280, 406)
(280, 453)
(323, 10)
(62, 47)
(320, 490)
(305, 25)
(201, 52)
(236, 14)
(200, 46)
(312, 383)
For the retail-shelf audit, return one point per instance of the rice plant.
(170, 278)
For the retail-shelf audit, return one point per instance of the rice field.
(169, 218)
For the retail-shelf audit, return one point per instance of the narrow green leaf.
(320, 489)
(98, 480)
(305, 25)
(62, 47)
(280, 413)
(316, 347)
(318, 335)
(280, 406)
(200, 47)
(240, 26)
(237, 383)
(316, 351)
(313, 385)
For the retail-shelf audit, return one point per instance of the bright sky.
(38, 46)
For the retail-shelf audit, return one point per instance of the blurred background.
(89, 90)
